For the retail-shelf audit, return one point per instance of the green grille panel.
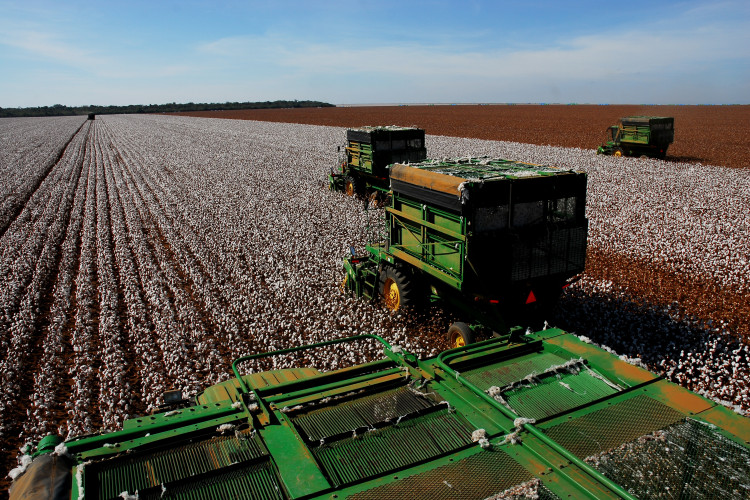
(481, 475)
(365, 412)
(557, 393)
(142, 471)
(256, 481)
(540, 385)
(614, 425)
(393, 447)
(686, 460)
(506, 372)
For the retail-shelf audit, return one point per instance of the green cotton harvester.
(363, 170)
(542, 415)
(495, 240)
(644, 136)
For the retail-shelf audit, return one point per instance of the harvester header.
(544, 414)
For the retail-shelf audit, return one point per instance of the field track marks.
(26, 317)
(187, 313)
(86, 362)
(200, 301)
(53, 391)
(12, 212)
(140, 306)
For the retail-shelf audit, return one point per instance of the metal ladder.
(370, 277)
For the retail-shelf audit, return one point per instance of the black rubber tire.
(393, 277)
(458, 332)
(618, 150)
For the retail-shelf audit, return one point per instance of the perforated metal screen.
(482, 475)
(686, 460)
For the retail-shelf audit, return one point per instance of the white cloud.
(604, 56)
(50, 47)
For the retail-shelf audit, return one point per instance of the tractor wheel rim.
(391, 295)
(457, 340)
(618, 153)
(350, 189)
(343, 282)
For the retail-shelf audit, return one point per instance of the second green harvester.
(495, 240)
(369, 151)
(644, 136)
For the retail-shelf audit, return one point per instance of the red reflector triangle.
(531, 298)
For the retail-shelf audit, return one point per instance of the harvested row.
(174, 245)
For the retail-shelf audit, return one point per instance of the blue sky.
(383, 51)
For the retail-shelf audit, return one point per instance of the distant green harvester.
(644, 136)
(368, 153)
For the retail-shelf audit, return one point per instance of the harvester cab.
(363, 168)
(644, 136)
(613, 135)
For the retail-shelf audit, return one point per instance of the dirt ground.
(715, 135)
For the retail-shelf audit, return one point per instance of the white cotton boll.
(478, 435)
(61, 450)
(16, 472)
(494, 391)
(521, 421)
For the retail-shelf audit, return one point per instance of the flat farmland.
(142, 253)
(714, 135)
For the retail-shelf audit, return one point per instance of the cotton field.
(143, 253)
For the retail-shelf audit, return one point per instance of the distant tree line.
(61, 110)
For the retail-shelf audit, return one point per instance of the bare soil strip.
(693, 296)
